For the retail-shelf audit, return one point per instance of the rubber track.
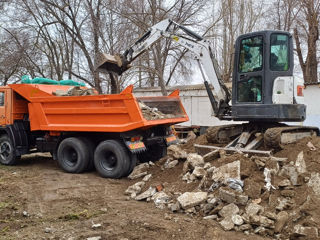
(214, 132)
(272, 136)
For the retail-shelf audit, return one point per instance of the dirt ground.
(39, 201)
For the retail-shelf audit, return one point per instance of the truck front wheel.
(73, 155)
(7, 153)
(111, 159)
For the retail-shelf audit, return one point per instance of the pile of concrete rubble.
(150, 113)
(276, 196)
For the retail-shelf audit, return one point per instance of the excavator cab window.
(250, 61)
(250, 90)
(279, 52)
(251, 54)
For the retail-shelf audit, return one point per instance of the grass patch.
(5, 229)
(3, 205)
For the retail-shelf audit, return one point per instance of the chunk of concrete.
(261, 221)
(139, 171)
(191, 199)
(314, 183)
(170, 164)
(147, 178)
(146, 194)
(195, 160)
(223, 173)
(229, 210)
(227, 195)
(176, 152)
(199, 172)
(284, 183)
(135, 189)
(290, 172)
(237, 219)
(227, 224)
(281, 220)
(160, 198)
(254, 209)
(300, 163)
(245, 227)
(174, 207)
(308, 232)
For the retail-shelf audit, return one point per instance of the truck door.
(5, 96)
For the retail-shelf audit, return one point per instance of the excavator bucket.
(110, 63)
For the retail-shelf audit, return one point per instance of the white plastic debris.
(235, 184)
(267, 179)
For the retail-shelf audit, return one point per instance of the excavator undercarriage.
(253, 135)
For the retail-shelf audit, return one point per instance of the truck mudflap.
(171, 139)
(136, 146)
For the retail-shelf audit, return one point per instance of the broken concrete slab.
(284, 183)
(147, 178)
(314, 183)
(223, 173)
(146, 194)
(237, 219)
(135, 189)
(190, 199)
(261, 221)
(308, 232)
(281, 220)
(199, 172)
(227, 224)
(195, 160)
(227, 195)
(174, 207)
(170, 163)
(254, 209)
(176, 152)
(229, 210)
(139, 171)
(300, 163)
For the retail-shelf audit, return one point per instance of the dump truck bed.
(97, 113)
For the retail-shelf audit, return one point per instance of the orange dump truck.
(108, 132)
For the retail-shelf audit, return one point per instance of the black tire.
(7, 153)
(133, 163)
(153, 153)
(111, 159)
(73, 155)
(91, 147)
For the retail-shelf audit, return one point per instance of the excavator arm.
(200, 48)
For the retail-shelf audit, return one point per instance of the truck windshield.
(279, 54)
(251, 50)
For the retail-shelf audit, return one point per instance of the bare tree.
(307, 29)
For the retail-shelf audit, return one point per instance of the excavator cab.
(264, 88)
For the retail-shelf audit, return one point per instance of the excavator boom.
(219, 96)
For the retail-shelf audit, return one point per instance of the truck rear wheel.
(73, 155)
(111, 159)
(7, 153)
(90, 146)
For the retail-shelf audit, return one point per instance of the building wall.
(312, 101)
(197, 105)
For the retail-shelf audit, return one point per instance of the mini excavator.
(265, 94)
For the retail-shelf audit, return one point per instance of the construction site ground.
(39, 201)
